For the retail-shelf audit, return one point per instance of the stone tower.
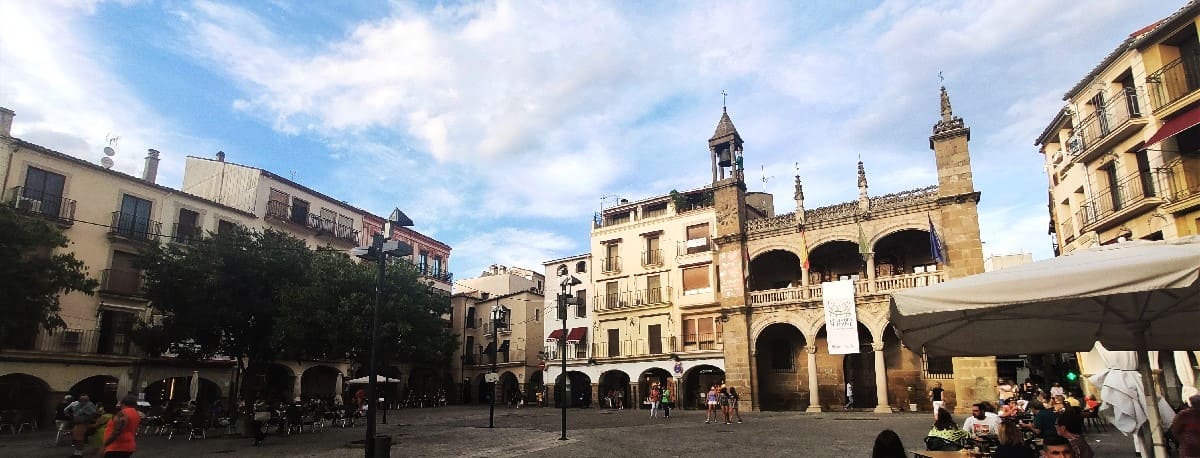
(957, 223)
(729, 199)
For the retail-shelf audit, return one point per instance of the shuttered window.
(695, 280)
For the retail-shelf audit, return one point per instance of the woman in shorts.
(711, 400)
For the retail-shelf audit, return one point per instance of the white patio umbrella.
(1187, 376)
(1136, 296)
(378, 379)
(194, 388)
(1123, 393)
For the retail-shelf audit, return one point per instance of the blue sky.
(499, 126)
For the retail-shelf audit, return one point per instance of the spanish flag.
(803, 249)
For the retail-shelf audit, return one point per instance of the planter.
(912, 407)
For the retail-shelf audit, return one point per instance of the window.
(134, 220)
(188, 227)
(44, 188)
(562, 270)
(299, 211)
(697, 238)
(611, 295)
(689, 332)
(695, 280)
(654, 210)
(226, 227)
(437, 265)
(941, 367)
(612, 258)
(469, 350)
(614, 342)
(470, 317)
(277, 205)
(704, 330)
(782, 355)
(653, 255)
(423, 262)
(654, 333)
(581, 267)
(581, 308)
(653, 289)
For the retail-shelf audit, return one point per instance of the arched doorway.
(859, 369)
(269, 381)
(319, 382)
(614, 388)
(650, 377)
(903, 252)
(177, 390)
(485, 390)
(775, 269)
(27, 394)
(578, 389)
(101, 388)
(696, 382)
(535, 385)
(510, 388)
(834, 260)
(782, 368)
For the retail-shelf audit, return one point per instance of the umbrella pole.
(1152, 414)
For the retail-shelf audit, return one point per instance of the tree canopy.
(266, 296)
(33, 277)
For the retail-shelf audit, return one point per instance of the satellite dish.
(106, 161)
(108, 151)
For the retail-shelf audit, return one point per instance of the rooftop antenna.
(293, 175)
(109, 151)
(765, 178)
(605, 198)
(723, 96)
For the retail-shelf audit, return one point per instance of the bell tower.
(725, 149)
(957, 222)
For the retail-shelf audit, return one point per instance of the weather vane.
(941, 79)
(723, 95)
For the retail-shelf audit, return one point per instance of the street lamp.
(381, 247)
(565, 298)
(499, 320)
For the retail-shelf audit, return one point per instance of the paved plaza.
(462, 431)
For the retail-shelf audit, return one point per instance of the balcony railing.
(694, 341)
(135, 228)
(652, 258)
(121, 282)
(694, 246)
(81, 341)
(626, 300)
(574, 351)
(502, 357)
(41, 203)
(1174, 80)
(332, 227)
(635, 347)
(1128, 191)
(1066, 229)
(186, 233)
(1180, 179)
(861, 287)
(610, 264)
(1108, 120)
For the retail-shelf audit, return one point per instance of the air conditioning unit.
(72, 338)
(29, 204)
(1074, 144)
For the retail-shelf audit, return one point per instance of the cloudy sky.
(501, 126)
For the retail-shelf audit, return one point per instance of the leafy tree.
(33, 277)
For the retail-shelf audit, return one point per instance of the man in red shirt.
(119, 435)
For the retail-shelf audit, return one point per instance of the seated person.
(1043, 421)
(1072, 401)
(1057, 447)
(1012, 442)
(1090, 403)
(945, 429)
(1070, 425)
(982, 421)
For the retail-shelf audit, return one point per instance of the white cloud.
(510, 246)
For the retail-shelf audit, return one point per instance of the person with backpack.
(83, 415)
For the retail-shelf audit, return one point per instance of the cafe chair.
(1093, 420)
(937, 444)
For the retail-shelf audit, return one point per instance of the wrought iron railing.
(81, 341)
(652, 257)
(134, 227)
(186, 233)
(1128, 191)
(1102, 123)
(1174, 80)
(700, 341)
(610, 264)
(634, 347)
(1180, 179)
(41, 203)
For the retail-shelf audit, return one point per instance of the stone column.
(881, 405)
(337, 385)
(750, 400)
(871, 272)
(803, 282)
(814, 396)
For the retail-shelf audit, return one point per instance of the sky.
(501, 127)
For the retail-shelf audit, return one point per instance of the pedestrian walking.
(711, 401)
(849, 395)
(935, 395)
(621, 399)
(260, 414)
(83, 414)
(655, 399)
(723, 399)
(119, 435)
(666, 401)
(733, 403)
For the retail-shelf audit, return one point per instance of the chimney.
(220, 156)
(6, 119)
(150, 173)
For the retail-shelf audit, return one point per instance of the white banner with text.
(841, 323)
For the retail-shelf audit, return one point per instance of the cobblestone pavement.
(462, 431)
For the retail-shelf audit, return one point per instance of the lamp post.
(381, 247)
(564, 298)
(499, 320)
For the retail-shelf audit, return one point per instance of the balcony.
(42, 204)
(1116, 121)
(80, 341)
(1173, 82)
(502, 357)
(131, 227)
(812, 293)
(652, 258)
(119, 282)
(328, 226)
(1179, 182)
(630, 300)
(186, 233)
(694, 246)
(1131, 193)
(700, 341)
(1066, 230)
(611, 264)
(439, 275)
(632, 348)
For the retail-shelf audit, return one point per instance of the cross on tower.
(723, 95)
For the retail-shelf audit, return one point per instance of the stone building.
(1122, 156)
(738, 296)
(572, 340)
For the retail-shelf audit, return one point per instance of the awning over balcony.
(1176, 125)
(490, 348)
(554, 335)
(576, 335)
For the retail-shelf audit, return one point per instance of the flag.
(935, 243)
(864, 247)
(803, 249)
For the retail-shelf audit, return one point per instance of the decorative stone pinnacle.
(947, 111)
(949, 122)
(862, 176)
(799, 189)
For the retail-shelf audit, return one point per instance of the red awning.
(554, 335)
(1176, 125)
(577, 334)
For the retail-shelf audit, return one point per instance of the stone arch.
(903, 250)
(781, 366)
(775, 269)
(793, 248)
(269, 381)
(575, 388)
(510, 388)
(614, 385)
(875, 236)
(757, 327)
(101, 388)
(320, 381)
(649, 377)
(177, 390)
(28, 395)
(696, 381)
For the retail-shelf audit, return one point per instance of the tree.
(33, 277)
